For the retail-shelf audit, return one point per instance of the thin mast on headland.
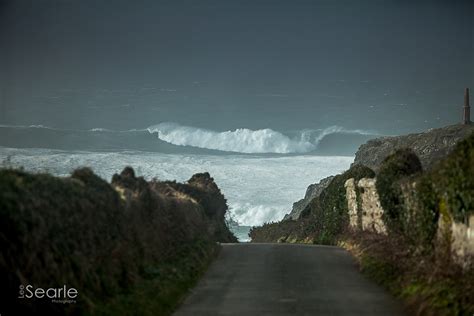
(467, 108)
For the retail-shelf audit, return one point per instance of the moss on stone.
(395, 167)
(331, 208)
(453, 179)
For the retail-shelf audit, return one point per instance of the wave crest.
(244, 140)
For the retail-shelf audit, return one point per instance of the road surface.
(286, 279)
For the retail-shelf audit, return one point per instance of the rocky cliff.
(322, 219)
(313, 190)
(429, 146)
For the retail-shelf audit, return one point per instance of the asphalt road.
(285, 279)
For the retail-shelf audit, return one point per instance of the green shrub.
(453, 180)
(395, 167)
(107, 241)
(330, 208)
(449, 188)
(420, 212)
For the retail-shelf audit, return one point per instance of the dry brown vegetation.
(129, 247)
(429, 283)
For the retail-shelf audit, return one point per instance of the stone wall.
(371, 211)
(463, 238)
(460, 235)
(352, 202)
(369, 217)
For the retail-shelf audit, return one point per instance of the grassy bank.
(164, 286)
(129, 247)
(428, 284)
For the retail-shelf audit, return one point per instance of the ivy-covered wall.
(403, 202)
(322, 221)
(415, 204)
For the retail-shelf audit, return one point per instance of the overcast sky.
(391, 66)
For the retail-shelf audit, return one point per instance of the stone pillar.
(467, 109)
(352, 202)
(372, 210)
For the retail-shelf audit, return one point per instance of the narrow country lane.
(286, 279)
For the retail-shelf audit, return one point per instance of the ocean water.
(261, 173)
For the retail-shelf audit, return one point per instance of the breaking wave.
(173, 137)
(245, 140)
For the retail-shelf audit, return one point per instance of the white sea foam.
(258, 189)
(92, 130)
(100, 129)
(245, 140)
(27, 126)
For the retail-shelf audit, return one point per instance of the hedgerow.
(399, 165)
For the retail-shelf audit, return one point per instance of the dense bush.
(330, 209)
(447, 188)
(56, 231)
(412, 201)
(420, 212)
(453, 180)
(395, 167)
(133, 245)
(202, 188)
